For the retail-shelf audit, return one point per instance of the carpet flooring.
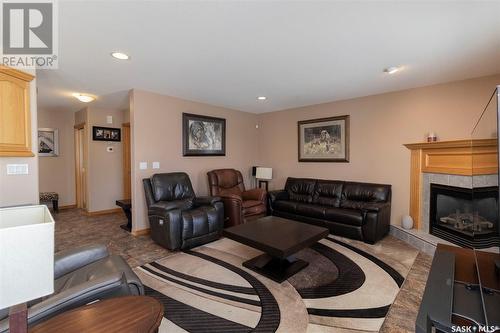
(207, 289)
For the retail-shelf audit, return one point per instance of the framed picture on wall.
(203, 135)
(48, 142)
(106, 134)
(324, 140)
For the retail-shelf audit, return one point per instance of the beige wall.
(379, 126)
(22, 189)
(57, 174)
(156, 124)
(104, 169)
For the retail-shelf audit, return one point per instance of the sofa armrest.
(258, 194)
(277, 195)
(70, 260)
(377, 220)
(206, 201)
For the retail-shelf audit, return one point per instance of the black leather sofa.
(178, 219)
(355, 210)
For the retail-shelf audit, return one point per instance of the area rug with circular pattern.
(347, 286)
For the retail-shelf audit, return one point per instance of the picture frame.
(48, 142)
(203, 135)
(106, 134)
(324, 139)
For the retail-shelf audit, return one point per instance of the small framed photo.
(106, 133)
(324, 140)
(48, 142)
(203, 135)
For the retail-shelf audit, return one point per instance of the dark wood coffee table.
(279, 238)
(127, 314)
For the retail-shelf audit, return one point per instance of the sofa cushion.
(343, 215)
(285, 206)
(328, 193)
(364, 192)
(311, 210)
(300, 189)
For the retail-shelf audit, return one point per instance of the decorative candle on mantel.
(431, 137)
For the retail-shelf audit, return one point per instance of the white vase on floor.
(407, 222)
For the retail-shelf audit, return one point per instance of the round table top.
(119, 314)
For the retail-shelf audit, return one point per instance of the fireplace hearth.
(464, 216)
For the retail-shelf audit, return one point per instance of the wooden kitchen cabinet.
(15, 115)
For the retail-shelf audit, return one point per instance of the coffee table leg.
(276, 269)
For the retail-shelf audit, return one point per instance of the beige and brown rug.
(348, 286)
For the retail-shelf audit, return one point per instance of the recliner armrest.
(77, 296)
(278, 195)
(206, 201)
(258, 194)
(70, 260)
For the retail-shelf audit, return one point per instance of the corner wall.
(105, 169)
(379, 126)
(57, 174)
(156, 131)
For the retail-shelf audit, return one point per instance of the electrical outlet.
(156, 165)
(143, 165)
(17, 169)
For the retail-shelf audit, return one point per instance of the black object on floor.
(126, 205)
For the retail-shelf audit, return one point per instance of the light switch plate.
(143, 165)
(109, 119)
(17, 169)
(156, 165)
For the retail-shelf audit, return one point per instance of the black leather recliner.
(81, 275)
(355, 210)
(178, 219)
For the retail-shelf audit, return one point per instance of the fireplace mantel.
(458, 157)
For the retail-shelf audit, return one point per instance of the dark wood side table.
(121, 314)
(126, 205)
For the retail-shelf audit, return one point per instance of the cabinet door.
(15, 117)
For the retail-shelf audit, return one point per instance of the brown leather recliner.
(239, 205)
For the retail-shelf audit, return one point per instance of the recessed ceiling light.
(120, 55)
(392, 70)
(262, 98)
(83, 98)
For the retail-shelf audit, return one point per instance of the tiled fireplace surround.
(459, 163)
(421, 238)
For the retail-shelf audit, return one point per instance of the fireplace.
(463, 216)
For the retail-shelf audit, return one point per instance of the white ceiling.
(296, 53)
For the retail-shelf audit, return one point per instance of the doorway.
(80, 165)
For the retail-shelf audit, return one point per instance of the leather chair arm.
(76, 296)
(233, 209)
(231, 197)
(206, 201)
(277, 195)
(70, 260)
(258, 194)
